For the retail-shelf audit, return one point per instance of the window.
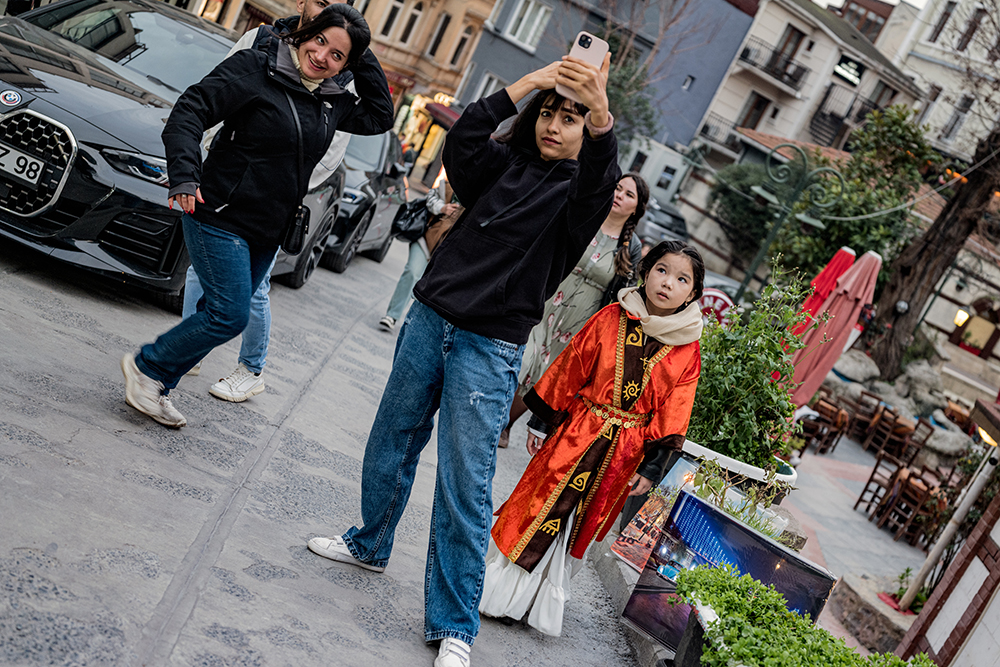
(488, 85)
(882, 94)
(942, 21)
(495, 14)
(391, 16)
(361, 5)
(970, 29)
(688, 82)
(666, 177)
(932, 98)
(810, 45)
(638, 161)
(463, 42)
(439, 34)
(411, 22)
(753, 111)
(957, 118)
(774, 113)
(529, 23)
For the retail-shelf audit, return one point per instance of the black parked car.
(662, 222)
(374, 172)
(85, 88)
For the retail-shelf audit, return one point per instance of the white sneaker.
(240, 385)
(146, 395)
(336, 549)
(195, 371)
(453, 653)
(387, 323)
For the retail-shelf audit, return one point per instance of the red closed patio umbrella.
(853, 290)
(823, 284)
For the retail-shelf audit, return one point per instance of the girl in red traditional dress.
(616, 401)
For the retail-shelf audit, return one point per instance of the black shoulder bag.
(298, 226)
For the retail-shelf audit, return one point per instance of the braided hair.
(623, 257)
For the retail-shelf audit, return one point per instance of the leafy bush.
(756, 628)
(740, 411)
(744, 221)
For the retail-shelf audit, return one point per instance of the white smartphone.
(588, 48)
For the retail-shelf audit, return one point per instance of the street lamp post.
(813, 182)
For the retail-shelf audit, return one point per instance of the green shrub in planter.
(755, 627)
(740, 410)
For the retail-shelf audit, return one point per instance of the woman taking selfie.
(280, 109)
(534, 199)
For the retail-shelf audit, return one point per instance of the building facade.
(939, 48)
(802, 73)
(868, 16)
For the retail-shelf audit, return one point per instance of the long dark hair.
(521, 133)
(677, 248)
(623, 257)
(338, 15)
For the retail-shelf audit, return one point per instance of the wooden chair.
(827, 428)
(907, 447)
(862, 412)
(881, 431)
(880, 482)
(909, 503)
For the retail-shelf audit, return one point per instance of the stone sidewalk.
(126, 543)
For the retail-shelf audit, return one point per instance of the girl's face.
(559, 132)
(669, 284)
(325, 54)
(626, 198)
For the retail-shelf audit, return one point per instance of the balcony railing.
(721, 131)
(761, 55)
(840, 110)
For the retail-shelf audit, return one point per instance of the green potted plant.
(747, 624)
(743, 410)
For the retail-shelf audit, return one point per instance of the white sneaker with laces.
(238, 386)
(453, 653)
(146, 395)
(336, 549)
(387, 323)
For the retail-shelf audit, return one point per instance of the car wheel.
(310, 259)
(173, 303)
(338, 263)
(379, 253)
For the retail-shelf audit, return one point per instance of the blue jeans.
(472, 380)
(413, 271)
(230, 270)
(253, 350)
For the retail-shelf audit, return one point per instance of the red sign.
(715, 304)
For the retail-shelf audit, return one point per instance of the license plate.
(20, 166)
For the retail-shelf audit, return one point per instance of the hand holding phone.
(591, 50)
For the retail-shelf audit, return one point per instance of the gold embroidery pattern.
(619, 360)
(550, 501)
(593, 489)
(631, 390)
(615, 416)
(580, 482)
(636, 337)
(551, 527)
(656, 358)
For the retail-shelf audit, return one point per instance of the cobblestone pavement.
(126, 543)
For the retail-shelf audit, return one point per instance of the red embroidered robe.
(623, 394)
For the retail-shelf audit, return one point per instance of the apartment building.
(805, 74)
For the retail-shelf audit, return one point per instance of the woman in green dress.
(608, 265)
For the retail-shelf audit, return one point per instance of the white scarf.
(681, 328)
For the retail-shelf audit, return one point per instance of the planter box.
(696, 533)
(753, 472)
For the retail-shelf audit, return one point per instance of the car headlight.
(352, 196)
(148, 168)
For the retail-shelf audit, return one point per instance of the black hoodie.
(492, 273)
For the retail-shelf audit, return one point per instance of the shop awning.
(442, 114)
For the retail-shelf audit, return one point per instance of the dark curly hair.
(521, 133)
(677, 248)
(338, 15)
(623, 258)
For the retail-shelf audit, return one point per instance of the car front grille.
(145, 240)
(44, 139)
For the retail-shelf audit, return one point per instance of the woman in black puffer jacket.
(253, 179)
